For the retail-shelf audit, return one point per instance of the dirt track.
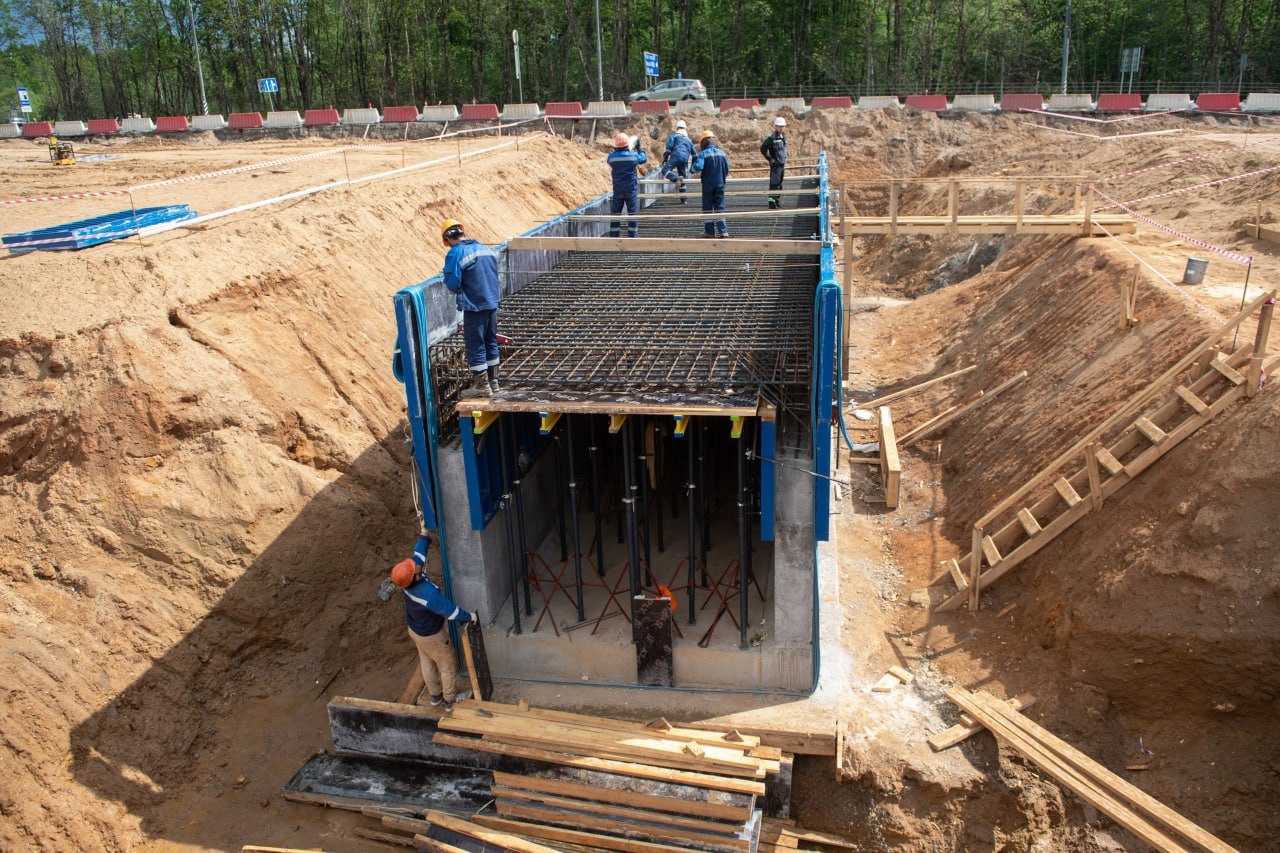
(203, 477)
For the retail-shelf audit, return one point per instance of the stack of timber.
(614, 785)
(1135, 810)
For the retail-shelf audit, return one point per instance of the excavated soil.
(203, 478)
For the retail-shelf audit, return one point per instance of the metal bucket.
(1194, 273)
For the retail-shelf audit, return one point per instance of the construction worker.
(627, 156)
(713, 166)
(471, 271)
(679, 154)
(774, 149)
(426, 609)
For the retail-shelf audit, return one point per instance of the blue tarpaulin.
(99, 229)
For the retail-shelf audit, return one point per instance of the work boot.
(480, 387)
(724, 234)
(448, 705)
(493, 379)
(773, 205)
(436, 699)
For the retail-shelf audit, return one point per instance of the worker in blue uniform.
(426, 610)
(774, 149)
(712, 164)
(678, 156)
(471, 271)
(626, 157)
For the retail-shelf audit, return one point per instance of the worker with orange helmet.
(426, 609)
(626, 158)
(471, 271)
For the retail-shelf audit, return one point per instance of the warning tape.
(1226, 253)
(1229, 180)
(1230, 149)
(1159, 275)
(1097, 120)
(264, 165)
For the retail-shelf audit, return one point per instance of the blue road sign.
(268, 85)
(650, 64)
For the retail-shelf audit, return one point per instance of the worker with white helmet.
(678, 156)
(774, 149)
(627, 156)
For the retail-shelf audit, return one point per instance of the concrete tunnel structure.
(665, 420)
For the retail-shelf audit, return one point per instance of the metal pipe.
(559, 486)
(512, 567)
(691, 493)
(629, 503)
(643, 459)
(517, 485)
(595, 496)
(573, 516)
(657, 486)
(705, 542)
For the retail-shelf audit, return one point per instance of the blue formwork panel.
(99, 229)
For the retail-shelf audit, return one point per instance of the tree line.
(83, 58)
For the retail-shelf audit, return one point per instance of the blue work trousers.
(677, 169)
(480, 334)
(631, 201)
(713, 200)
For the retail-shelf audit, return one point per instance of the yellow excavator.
(61, 153)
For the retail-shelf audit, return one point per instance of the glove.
(465, 617)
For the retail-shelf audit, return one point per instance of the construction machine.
(61, 153)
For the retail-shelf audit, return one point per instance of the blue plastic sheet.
(99, 229)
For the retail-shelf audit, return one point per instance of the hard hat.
(450, 225)
(706, 134)
(621, 140)
(779, 122)
(680, 125)
(402, 573)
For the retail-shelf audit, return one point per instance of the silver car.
(683, 89)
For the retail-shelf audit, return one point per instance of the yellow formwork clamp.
(481, 421)
(615, 423)
(549, 421)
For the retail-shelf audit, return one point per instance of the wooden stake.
(1095, 476)
(1257, 220)
(1088, 213)
(953, 203)
(1019, 189)
(975, 567)
(893, 208)
(1260, 347)
(907, 392)
(471, 662)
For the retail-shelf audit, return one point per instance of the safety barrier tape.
(263, 165)
(1159, 275)
(1097, 120)
(1230, 149)
(1200, 186)
(1226, 253)
(1099, 138)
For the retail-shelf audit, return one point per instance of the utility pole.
(599, 54)
(1066, 47)
(515, 40)
(204, 101)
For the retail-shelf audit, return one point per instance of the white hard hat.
(779, 122)
(680, 125)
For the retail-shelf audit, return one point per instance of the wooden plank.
(927, 425)
(1141, 800)
(477, 659)
(1113, 465)
(914, 389)
(795, 742)
(990, 551)
(571, 836)
(592, 407)
(696, 216)
(981, 400)
(607, 810)
(668, 245)
(651, 630)
(1095, 475)
(968, 726)
(1191, 399)
(431, 845)
(957, 576)
(814, 836)
(1067, 776)
(1028, 522)
(384, 837)
(975, 569)
(647, 832)
(487, 835)
(681, 799)
(715, 737)
(608, 765)
(890, 463)
(1153, 433)
(1220, 364)
(414, 688)
(1068, 493)
(893, 212)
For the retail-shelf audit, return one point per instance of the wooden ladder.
(1035, 515)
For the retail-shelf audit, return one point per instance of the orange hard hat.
(621, 140)
(447, 226)
(402, 573)
(706, 134)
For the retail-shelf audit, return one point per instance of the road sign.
(268, 85)
(650, 64)
(24, 99)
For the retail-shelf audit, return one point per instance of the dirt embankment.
(1152, 624)
(203, 476)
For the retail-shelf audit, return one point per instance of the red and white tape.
(1096, 120)
(100, 194)
(1230, 149)
(1187, 238)
(1201, 186)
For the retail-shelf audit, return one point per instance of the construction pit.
(207, 469)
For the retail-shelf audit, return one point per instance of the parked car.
(17, 121)
(683, 89)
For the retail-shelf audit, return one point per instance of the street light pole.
(204, 101)
(1066, 47)
(599, 54)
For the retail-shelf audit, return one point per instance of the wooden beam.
(760, 193)
(667, 245)
(893, 212)
(1028, 522)
(487, 835)
(571, 836)
(890, 464)
(1068, 493)
(990, 551)
(982, 399)
(1095, 475)
(609, 794)
(655, 831)
(968, 726)
(1153, 433)
(1113, 465)
(1191, 399)
(907, 392)
(604, 407)
(696, 215)
(1233, 376)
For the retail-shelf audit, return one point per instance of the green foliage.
(105, 57)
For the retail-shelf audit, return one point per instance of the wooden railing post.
(893, 208)
(953, 203)
(1019, 188)
(975, 567)
(1088, 212)
(1260, 346)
